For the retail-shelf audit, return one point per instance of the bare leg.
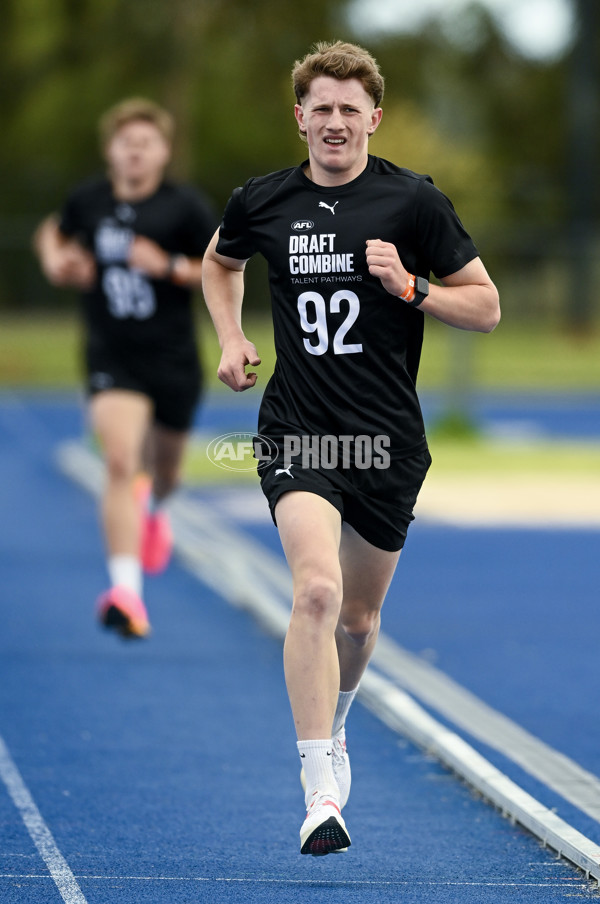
(121, 421)
(164, 453)
(367, 572)
(309, 528)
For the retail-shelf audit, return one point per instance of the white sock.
(343, 705)
(316, 760)
(126, 571)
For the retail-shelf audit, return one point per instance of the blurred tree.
(221, 66)
(582, 183)
(489, 125)
(514, 142)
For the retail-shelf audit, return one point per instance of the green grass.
(45, 353)
(523, 457)
(38, 352)
(450, 456)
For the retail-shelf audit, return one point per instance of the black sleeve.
(234, 236)
(442, 237)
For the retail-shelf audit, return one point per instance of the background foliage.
(494, 129)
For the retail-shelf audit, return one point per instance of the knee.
(319, 599)
(121, 465)
(360, 627)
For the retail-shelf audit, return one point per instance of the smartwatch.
(421, 291)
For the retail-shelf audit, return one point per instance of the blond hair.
(340, 60)
(130, 110)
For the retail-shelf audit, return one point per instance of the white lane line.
(341, 883)
(40, 833)
(250, 577)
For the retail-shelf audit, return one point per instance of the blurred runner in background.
(132, 241)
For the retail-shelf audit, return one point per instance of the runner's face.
(337, 118)
(137, 153)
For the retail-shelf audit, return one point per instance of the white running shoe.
(341, 768)
(324, 830)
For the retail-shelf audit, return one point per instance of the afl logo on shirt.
(125, 213)
(300, 225)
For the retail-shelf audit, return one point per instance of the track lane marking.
(350, 883)
(39, 832)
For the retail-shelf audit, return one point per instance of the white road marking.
(341, 883)
(40, 833)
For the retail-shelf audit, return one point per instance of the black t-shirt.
(125, 309)
(347, 351)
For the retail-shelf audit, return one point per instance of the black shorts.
(378, 504)
(174, 387)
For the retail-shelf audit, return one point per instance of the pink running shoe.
(122, 610)
(156, 543)
(142, 487)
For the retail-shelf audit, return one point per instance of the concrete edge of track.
(205, 545)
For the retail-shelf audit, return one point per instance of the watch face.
(421, 286)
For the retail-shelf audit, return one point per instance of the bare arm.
(468, 299)
(147, 256)
(64, 261)
(223, 288)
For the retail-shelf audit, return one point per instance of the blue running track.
(165, 771)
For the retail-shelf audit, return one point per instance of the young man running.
(133, 243)
(350, 240)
